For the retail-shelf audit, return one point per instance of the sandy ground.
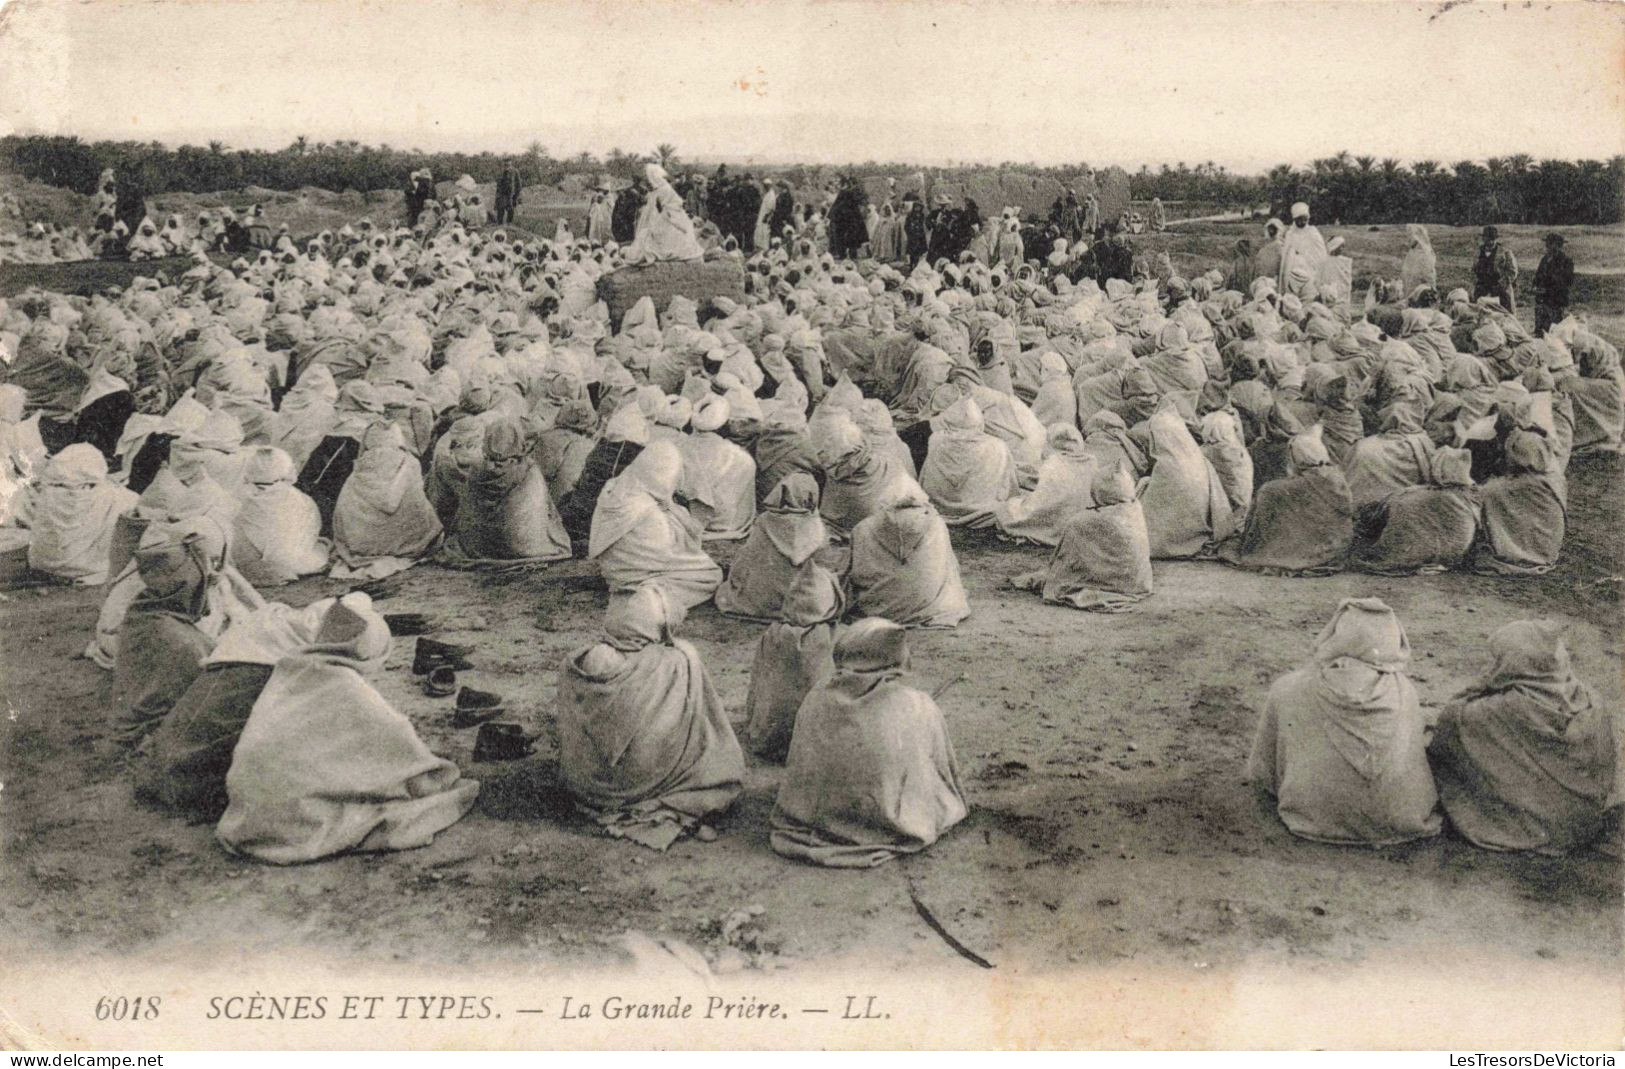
(1103, 756)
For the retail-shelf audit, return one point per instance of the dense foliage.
(1353, 189)
(1364, 189)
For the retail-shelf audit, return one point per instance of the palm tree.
(1365, 163)
(666, 155)
(301, 145)
(217, 148)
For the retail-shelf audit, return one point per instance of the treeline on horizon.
(1347, 188)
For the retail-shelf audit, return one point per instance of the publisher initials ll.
(866, 1012)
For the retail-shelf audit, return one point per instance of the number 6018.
(140, 1008)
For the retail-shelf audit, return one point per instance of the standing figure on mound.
(665, 232)
(1303, 250)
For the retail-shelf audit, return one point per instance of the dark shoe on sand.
(407, 624)
(440, 681)
(476, 707)
(432, 654)
(501, 741)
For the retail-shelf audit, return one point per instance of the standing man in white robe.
(1303, 250)
(764, 215)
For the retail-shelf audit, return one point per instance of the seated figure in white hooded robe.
(787, 533)
(871, 773)
(1064, 482)
(967, 472)
(505, 511)
(276, 535)
(217, 445)
(793, 656)
(1184, 500)
(22, 452)
(903, 565)
(1527, 756)
(166, 633)
(166, 500)
(145, 243)
(1342, 742)
(382, 521)
(307, 413)
(1103, 560)
(645, 746)
(457, 455)
(72, 513)
(719, 477)
(641, 535)
(857, 478)
(185, 765)
(326, 765)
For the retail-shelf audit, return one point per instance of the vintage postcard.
(815, 524)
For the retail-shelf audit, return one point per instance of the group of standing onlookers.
(1495, 274)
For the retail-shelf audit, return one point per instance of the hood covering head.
(675, 413)
(814, 597)
(315, 382)
(658, 470)
(267, 466)
(710, 414)
(1364, 630)
(961, 419)
(835, 437)
(1173, 338)
(1488, 338)
(1063, 439)
(1466, 372)
(504, 441)
(578, 416)
(352, 630)
(361, 396)
(1308, 450)
(383, 436)
(1528, 453)
(1452, 467)
(872, 646)
(166, 499)
(1221, 427)
(645, 617)
(1112, 487)
(1531, 657)
(627, 425)
(178, 560)
(76, 465)
(221, 431)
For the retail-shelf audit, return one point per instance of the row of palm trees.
(1344, 186)
(1368, 189)
(1514, 189)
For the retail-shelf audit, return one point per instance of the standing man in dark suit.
(1553, 278)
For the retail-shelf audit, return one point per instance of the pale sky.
(1247, 84)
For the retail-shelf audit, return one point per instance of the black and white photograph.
(822, 524)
